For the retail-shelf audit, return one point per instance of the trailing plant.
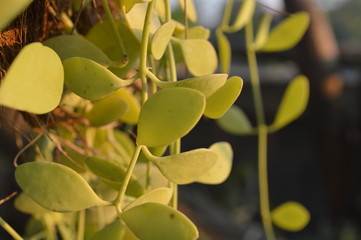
(290, 216)
(106, 155)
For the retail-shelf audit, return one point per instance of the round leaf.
(34, 81)
(199, 56)
(293, 104)
(224, 49)
(128, 4)
(25, 204)
(221, 170)
(10, 9)
(288, 33)
(67, 46)
(263, 31)
(191, 10)
(207, 84)
(186, 167)
(112, 231)
(107, 110)
(197, 32)
(56, 187)
(244, 15)
(132, 114)
(159, 195)
(161, 39)
(89, 79)
(152, 221)
(291, 216)
(235, 121)
(168, 115)
(219, 102)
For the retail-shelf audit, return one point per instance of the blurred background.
(316, 160)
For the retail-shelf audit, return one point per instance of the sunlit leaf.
(288, 33)
(197, 32)
(235, 121)
(191, 10)
(112, 231)
(221, 170)
(34, 81)
(220, 101)
(67, 46)
(152, 221)
(25, 204)
(159, 195)
(128, 4)
(207, 84)
(293, 103)
(89, 79)
(244, 15)
(185, 167)
(291, 216)
(107, 110)
(168, 115)
(113, 175)
(56, 187)
(157, 178)
(74, 160)
(10, 9)
(199, 56)
(224, 51)
(263, 31)
(132, 114)
(161, 39)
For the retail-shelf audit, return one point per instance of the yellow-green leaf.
(191, 10)
(197, 32)
(221, 170)
(128, 4)
(263, 31)
(185, 167)
(10, 9)
(56, 187)
(168, 115)
(291, 216)
(34, 81)
(161, 39)
(288, 33)
(244, 15)
(113, 231)
(132, 114)
(199, 56)
(224, 51)
(293, 103)
(152, 221)
(235, 121)
(219, 102)
(159, 195)
(25, 204)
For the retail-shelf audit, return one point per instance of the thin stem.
(175, 149)
(227, 14)
(118, 200)
(81, 225)
(169, 51)
(262, 135)
(116, 32)
(9, 229)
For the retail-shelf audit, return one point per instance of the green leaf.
(25, 204)
(235, 121)
(293, 104)
(34, 81)
(132, 114)
(10, 9)
(207, 84)
(113, 175)
(168, 115)
(263, 32)
(160, 195)
(288, 33)
(186, 167)
(244, 15)
(158, 180)
(89, 79)
(67, 46)
(224, 51)
(128, 4)
(199, 56)
(152, 221)
(191, 10)
(161, 39)
(221, 170)
(114, 230)
(197, 32)
(56, 187)
(291, 216)
(220, 101)
(107, 110)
